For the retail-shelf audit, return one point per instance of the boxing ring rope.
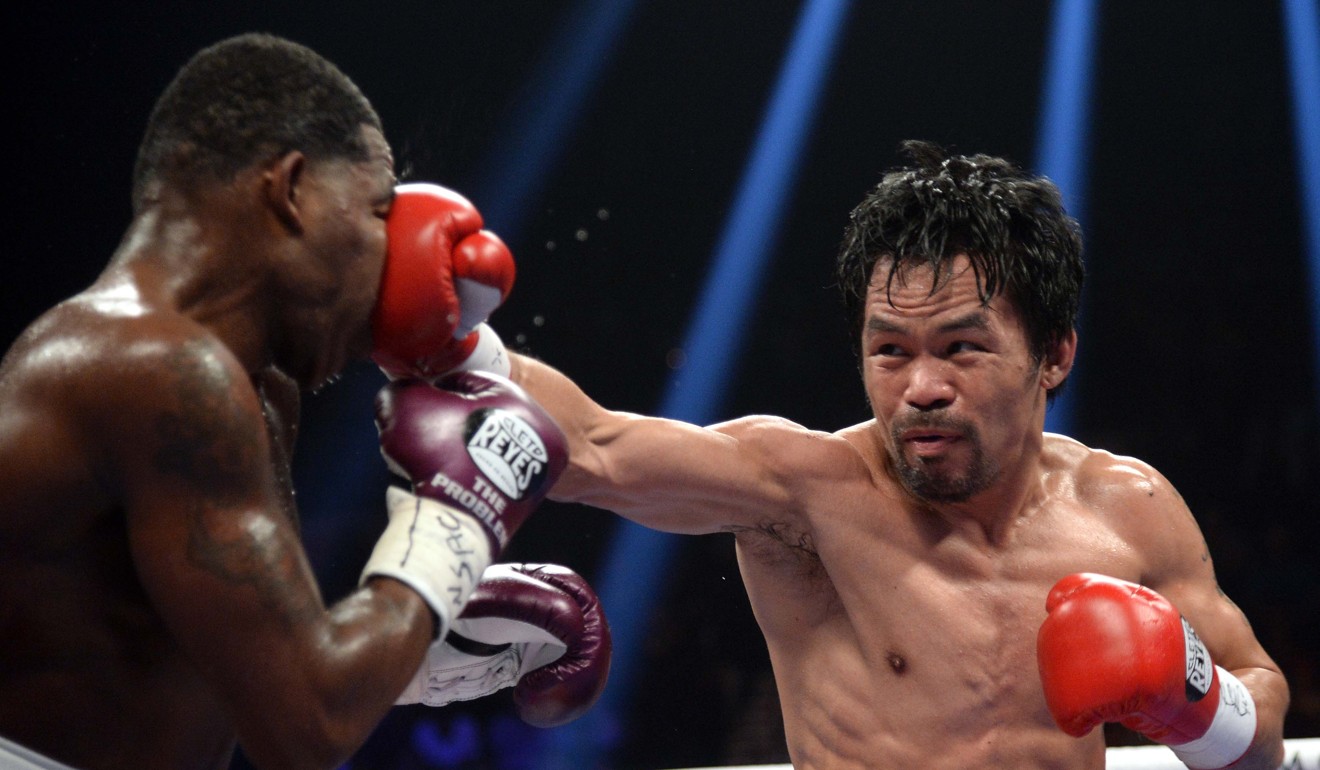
(1299, 754)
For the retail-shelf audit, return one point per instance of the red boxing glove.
(537, 627)
(443, 277)
(1114, 651)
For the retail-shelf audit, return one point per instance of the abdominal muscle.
(837, 715)
(886, 660)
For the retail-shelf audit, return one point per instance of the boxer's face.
(952, 383)
(337, 280)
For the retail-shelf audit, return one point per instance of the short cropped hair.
(1012, 225)
(245, 100)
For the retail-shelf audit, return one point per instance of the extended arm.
(661, 473)
(666, 474)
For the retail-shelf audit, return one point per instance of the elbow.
(298, 754)
(1266, 755)
(303, 741)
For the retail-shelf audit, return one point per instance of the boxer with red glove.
(1114, 651)
(444, 275)
(538, 628)
(480, 455)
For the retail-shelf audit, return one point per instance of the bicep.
(1181, 568)
(212, 566)
(1218, 621)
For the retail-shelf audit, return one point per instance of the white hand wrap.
(488, 356)
(1231, 731)
(449, 674)
(438, 551)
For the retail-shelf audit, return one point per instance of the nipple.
(897, 662)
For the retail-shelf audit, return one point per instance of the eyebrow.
(975, 320)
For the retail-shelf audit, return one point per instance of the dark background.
(1196, 353)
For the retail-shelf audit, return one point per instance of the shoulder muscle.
(1149, 511)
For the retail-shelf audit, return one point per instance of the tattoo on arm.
(250, 554)
(206, 438)
(203, 434)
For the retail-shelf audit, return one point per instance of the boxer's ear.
(282, 185)
(1059, 361)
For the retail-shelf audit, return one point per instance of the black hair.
(1012, 226)
(247, 99)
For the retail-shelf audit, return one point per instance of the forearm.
(379, 636)
(342, 681)
(570, 407)
(1269, 691)
(576, 414)
(662, 473)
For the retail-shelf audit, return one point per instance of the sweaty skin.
(157, 601)
(902, 628)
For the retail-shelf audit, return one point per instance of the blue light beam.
(1302, 25)
(631, 579)
(1063, 137)
(527, 152)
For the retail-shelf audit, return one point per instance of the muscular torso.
(895, 634)
(85, 661)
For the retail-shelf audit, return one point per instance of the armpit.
(781, 544)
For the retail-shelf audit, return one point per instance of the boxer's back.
(84, 659)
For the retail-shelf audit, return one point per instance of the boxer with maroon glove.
(1114, 651)
(538, 628)
(444, 275)
(480, 455)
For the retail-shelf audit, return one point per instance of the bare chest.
(959, 600)
(890, 633)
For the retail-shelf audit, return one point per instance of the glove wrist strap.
(438, 551)
(489, 355)
(1230, 733)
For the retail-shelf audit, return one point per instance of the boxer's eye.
(382, 205)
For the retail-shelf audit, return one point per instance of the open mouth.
(927, 436)
(928, 441)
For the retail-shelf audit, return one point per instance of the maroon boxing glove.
(536, 627)
(559, 692)
(476, 442)
(481, 455)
